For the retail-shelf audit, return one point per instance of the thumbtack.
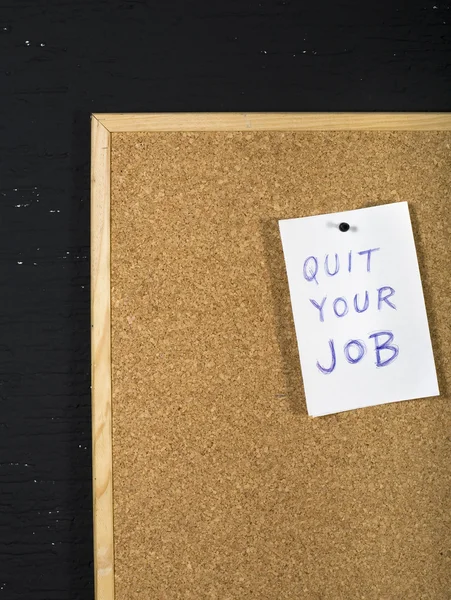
(343, 227)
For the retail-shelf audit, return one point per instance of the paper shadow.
(283, 318)
(440, 355)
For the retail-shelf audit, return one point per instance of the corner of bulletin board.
(102, 128)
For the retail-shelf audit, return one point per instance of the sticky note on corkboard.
(358, 308)
(223, 486)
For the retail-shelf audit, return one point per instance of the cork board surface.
(223, 487)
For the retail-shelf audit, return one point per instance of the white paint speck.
(20, 262)
(42, 44)
(27, 42)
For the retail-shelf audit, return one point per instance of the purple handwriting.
(355, 350)
(317, 271)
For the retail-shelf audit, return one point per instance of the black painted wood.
(61, 60)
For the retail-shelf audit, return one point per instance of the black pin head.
(343, 227)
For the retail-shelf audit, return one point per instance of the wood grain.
(101, 361)
(274, 121)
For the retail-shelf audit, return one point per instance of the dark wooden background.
(60, 60)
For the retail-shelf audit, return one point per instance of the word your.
(340, 305)
(355, 350)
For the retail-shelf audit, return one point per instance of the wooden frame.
(103, 125)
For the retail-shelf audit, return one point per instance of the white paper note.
(358, 309)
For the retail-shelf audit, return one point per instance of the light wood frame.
(102, 127)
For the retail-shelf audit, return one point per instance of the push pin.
(343, 227)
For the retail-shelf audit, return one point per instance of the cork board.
(210, 480)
